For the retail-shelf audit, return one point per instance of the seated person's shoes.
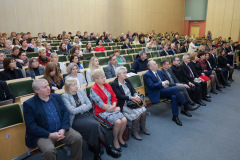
(123, 145)
(186, 113)
(176, 120)
(206, 99)
(112, 152)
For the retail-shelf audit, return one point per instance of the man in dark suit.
(182, 88)
(158, 87)
(140, 63)
(194, 90)
(165, 51)
(172, 50)
(66, 42)
(47, 121)
(109, 38)
(191, 75)
(110, 69)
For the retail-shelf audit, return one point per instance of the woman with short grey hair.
(72, 69)
(124, 92)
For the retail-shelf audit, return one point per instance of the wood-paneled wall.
(114, 16)
(223, 18)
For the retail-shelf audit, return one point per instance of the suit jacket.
(80, 78)
(125, 46)
(213, 61)
(175, 80)
(170, 51)
(69, 102)
(184, 50)
(186, 73)
(36, 118)
(164, 53)
(177, 71)
(110, 72)
(153, 85)
(31, 73)
(6, 74)
(120, 92)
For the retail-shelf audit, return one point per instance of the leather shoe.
(213, 92)
(208, 96)
(201, 103)
(123, 145)
(190, 108)
(191, 103)
(219, 89)
(112, 152)
(118, 149)
(97, 157)
(176, 120)
(227, 84)
(186, 113)
(206, 99)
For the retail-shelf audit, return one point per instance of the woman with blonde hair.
(61, 66)
(81, 120)
(93, 65)
(53, 77)
(76, 41)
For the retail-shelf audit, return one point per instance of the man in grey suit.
(173, 81)
(110, 69)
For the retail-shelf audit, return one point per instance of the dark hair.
(28, 32)
(88, 50)
(56, 78)
(164, 61)
(20, 53)
(21, 42)
(174, 58)
(60, 46)
(74, 49)
(110, 57)
(99, 39)
(72, 57)
(14, 41)
(15, 48)
(6, 62)
(200, 54)
(30, 39)
(30, 63)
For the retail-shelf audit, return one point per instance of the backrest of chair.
(135, 81)
(149, 55)
(130, 51)
(112, 44)
(62, 58)
(103, 61)
(21, 88)
(105, 44)
(158, 61)
(123, 52)
(128, 58)
(108, 48)
(54, 47)
(65, 75)
(10, 115)
(32, 54)
(100, 54)
(137, 50)
(139, 45)
(155, 54)
(127, 65)
(119, 43)
(87, 56)
(116, 47)
(88, 91)
(85, 63)
(109, 53)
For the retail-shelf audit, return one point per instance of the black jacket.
(9, 75)
(120, 92)
(139, 65)
(177, 71)
(222, 62)
(186, 72)
(183, 50)
(125, 46)
(5, 93)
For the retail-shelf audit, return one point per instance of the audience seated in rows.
(62, 49)
(88, 48)
(99, 47)
(93, 65)
(42, 58)
(75, 59)
(120, 59)
(60, 65)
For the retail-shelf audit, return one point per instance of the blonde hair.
(192, 56)
(91, 64)
(41, 50)
(97, 73)
(68, 83)
(52, 55)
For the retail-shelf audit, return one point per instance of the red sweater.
(100, 49)
(103, 96)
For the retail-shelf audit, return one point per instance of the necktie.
(170, 77)
(159, 79)
(173, 51)
(191, 73)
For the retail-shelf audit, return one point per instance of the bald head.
(152, 65)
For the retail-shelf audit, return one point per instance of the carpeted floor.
(213, 133)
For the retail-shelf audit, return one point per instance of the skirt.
(205, 78)
(132, 114)
(109, 118)
(88, 127)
